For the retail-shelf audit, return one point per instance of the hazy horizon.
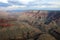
(18, 5)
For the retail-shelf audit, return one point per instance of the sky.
(29, 5)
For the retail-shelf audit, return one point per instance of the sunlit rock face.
(3, 14)
(33, 15)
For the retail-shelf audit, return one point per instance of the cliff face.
(33, 16)
(3, 14)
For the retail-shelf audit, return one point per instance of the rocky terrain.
(28, 25)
